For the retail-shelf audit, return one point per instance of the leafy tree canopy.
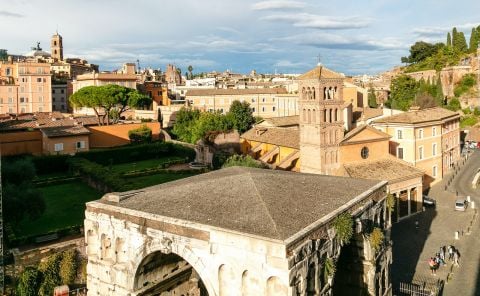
(242, 160)
(241, 115)
(29, 282)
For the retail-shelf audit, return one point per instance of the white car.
(460, 205)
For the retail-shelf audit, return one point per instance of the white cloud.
(278, 5)
(10, 14)
(440, 31)
(335, 41)
(290, 64)
(313, 21)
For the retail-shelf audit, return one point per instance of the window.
(10, 89)
(420, 152)
(273, 108)
(253, 109)
(40, 89)
(53, 99)
(39, 71)
(22, 100)
(400, 153)
(263, 100)
(22, 110)
(58, 147)
(8, 72)
(63, 107)
(434, 149)
(10, 100)
(434, 131)
(434, 171)
(22, 89)
(80, 144)
(263, 109)
(420, 133)
(399, 134)
(253, 100)
(40, 109)
(273, 99)
(62, 99)
(53, 91)
(364, 152)
(40, 99)
(39, 79)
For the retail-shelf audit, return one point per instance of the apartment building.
(429, 139)
(265, 102)
(60, 97)
(25, 87)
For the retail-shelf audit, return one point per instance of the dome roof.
(38, 53)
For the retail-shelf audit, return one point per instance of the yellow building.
(25, 87)
(265, 102)
(429, 139)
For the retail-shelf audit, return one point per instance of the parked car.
(428, 201)
(460, 204)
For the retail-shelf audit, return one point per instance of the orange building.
(25, 87)
(65, 139)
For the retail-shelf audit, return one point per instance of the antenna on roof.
(319, 57)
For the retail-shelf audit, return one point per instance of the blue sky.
(286, 36)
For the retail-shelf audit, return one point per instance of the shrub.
(454, 105)
(142, 134)
(243, 160)
(51, 278)
(329, 268)
(468, 121)
(51, 163)
(29, 282)
(68, 267)
(376, 239)
(97, 173)
(343, 225)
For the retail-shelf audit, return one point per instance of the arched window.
(309, 116)
(314, 116)
(324, 115)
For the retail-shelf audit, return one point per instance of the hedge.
(14, 241)
(138, 152)
(140, 135)
(51, 163)
(100, 175)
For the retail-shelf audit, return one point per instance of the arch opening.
(167, 274)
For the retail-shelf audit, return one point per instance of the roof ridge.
(263, 203)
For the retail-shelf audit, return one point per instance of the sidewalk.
(437, 226)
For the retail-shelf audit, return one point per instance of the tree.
(459, 42)
(449, 40)
(422, 50)
(372, 98)
(51, 277)
(209, 125)
(241, 116)
(403, 90)
(143, 134)
(244, 161)
(190, 70)
(474, 39)
(404, 60)
(454, 105)
(29, 282)
(185, 120)
(109, 100)
(439, 91)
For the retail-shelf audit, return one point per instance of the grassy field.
(65, 206)
(143, 164)
(146, 181)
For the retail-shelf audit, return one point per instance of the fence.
(420, 288)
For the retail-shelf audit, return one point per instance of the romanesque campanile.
(321, 120)
(56, 46)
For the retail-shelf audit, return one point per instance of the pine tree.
(449, 40)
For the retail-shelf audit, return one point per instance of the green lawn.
(143, 164)
(146, 181)
(65, 206)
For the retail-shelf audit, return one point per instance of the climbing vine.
(390, 202)
(329, 268)
(343, 225)
(376, 239)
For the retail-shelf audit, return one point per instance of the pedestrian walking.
(433, 265)
(450, 252)
(456, 256)
(442, 253)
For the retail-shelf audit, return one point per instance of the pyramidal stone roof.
(320, 72)
(268, 203)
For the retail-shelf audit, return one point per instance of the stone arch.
(226, 278)
(120, 251)
(250, 284)
(330, 115)
(324, 115)
(313, 93)
(304, 114)
(166, 246)
(314, 116)
(276, 287)
(105, 247)
(336, 114)
(309, 116)
(92, 245)
(303, 93)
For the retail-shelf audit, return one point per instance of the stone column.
(409, 201)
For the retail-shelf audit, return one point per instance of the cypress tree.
(439, 91)
(474, 38)
(454, 37)
(449, 40)
(462, 42)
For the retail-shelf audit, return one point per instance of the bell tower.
(56, 46)
(321, 120)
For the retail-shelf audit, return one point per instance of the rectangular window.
(434, 171)
(253, 100)
(434, 131)
(40, 109)
(39, 79)
(420, 134)
(40, 89)
(22, 89)
(399, 134)
(22, 100)
(10, 100)
(420, 152)
(53, 91)
(58, 147)
(273, 108)
(434, 149)
(80, 144)
(40, 99)
(400, 153)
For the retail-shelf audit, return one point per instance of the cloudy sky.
(286, 36)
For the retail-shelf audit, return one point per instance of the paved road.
(413, 247)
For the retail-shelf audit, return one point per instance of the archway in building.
(167, 274)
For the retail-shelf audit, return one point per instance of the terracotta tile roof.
(360, 128)
(285, 137)
(473, 134)
(230, 91)
(368, 113)
(320, 72)
(256, 201)
(389, 169)
(284, 121)
(38, 122)
(420, 116)
(64, 131)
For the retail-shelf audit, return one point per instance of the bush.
(51, 163)
(454, 105)
(376, 239)
(97, 173)
(343, 225)
(243, 160)
(142, 134)
(468, 121)
(29, 282)
(68, 267)
(51, 277)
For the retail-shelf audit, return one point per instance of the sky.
(283, 36)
